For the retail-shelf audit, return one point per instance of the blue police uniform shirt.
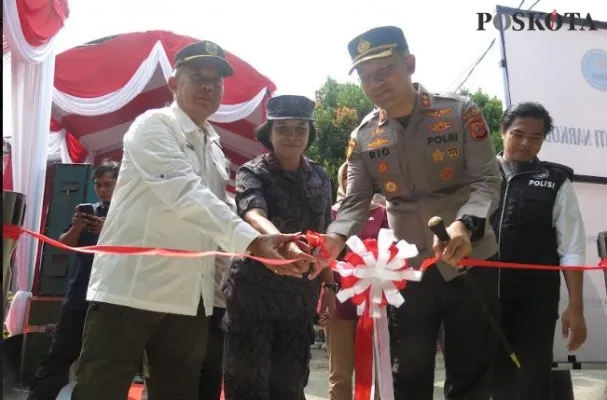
(76, 292)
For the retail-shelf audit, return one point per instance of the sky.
(298, 44)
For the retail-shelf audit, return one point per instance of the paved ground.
(588, 384)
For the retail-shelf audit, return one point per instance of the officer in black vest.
(538, 222)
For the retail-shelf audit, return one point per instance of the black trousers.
(267, 359)
(562, 386)
(54, 372)
(113, 344)
(211, 375)
(529, 323)
(470, 342)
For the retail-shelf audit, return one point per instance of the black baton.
(437, 226)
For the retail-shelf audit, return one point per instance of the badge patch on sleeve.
(473, 119)
(350, 149)
(478, 130)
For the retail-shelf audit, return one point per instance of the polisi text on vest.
(545, 184)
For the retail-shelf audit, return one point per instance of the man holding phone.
(84, 230)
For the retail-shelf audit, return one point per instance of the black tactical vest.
(524, 227)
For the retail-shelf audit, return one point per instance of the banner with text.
(566, 71)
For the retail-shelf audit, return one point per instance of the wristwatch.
(474, 225)
(331, 286)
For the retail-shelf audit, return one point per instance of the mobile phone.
(86, 208)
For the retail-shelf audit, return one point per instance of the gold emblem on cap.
(211, 48)
(363, 46)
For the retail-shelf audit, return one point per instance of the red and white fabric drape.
(30, 27)
(64, 147)
(7, 170)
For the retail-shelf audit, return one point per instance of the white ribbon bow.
(378, 275)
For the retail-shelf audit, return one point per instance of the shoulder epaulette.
(450, 96)
(367, 118)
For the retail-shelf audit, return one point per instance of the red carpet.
(137, 390)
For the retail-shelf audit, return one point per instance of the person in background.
(53, 373)
(170, 193)
(269, 317)
(341, 328)
(538, 222)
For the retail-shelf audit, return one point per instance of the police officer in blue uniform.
(430, 154)
(538, 222)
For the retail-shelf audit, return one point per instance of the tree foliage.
(339, 109)
(341, 106)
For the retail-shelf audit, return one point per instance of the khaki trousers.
(340, 346)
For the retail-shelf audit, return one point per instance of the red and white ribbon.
(373, 273)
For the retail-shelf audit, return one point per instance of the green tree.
(492, 109)
(339, 109)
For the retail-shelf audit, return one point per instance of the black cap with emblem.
(376, 43)
(286, 107)
(204, 53)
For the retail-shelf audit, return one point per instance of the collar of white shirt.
(189, 126)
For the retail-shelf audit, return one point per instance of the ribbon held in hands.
(316, 242)
(373, 273)
(13, 232)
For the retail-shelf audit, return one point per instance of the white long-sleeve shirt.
(170, 193)
(569, 225)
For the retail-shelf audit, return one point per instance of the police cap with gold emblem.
(204, 53)
(286, 107)
(376, 43)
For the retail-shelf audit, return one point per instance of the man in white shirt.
(170, 194)
(538, 222)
